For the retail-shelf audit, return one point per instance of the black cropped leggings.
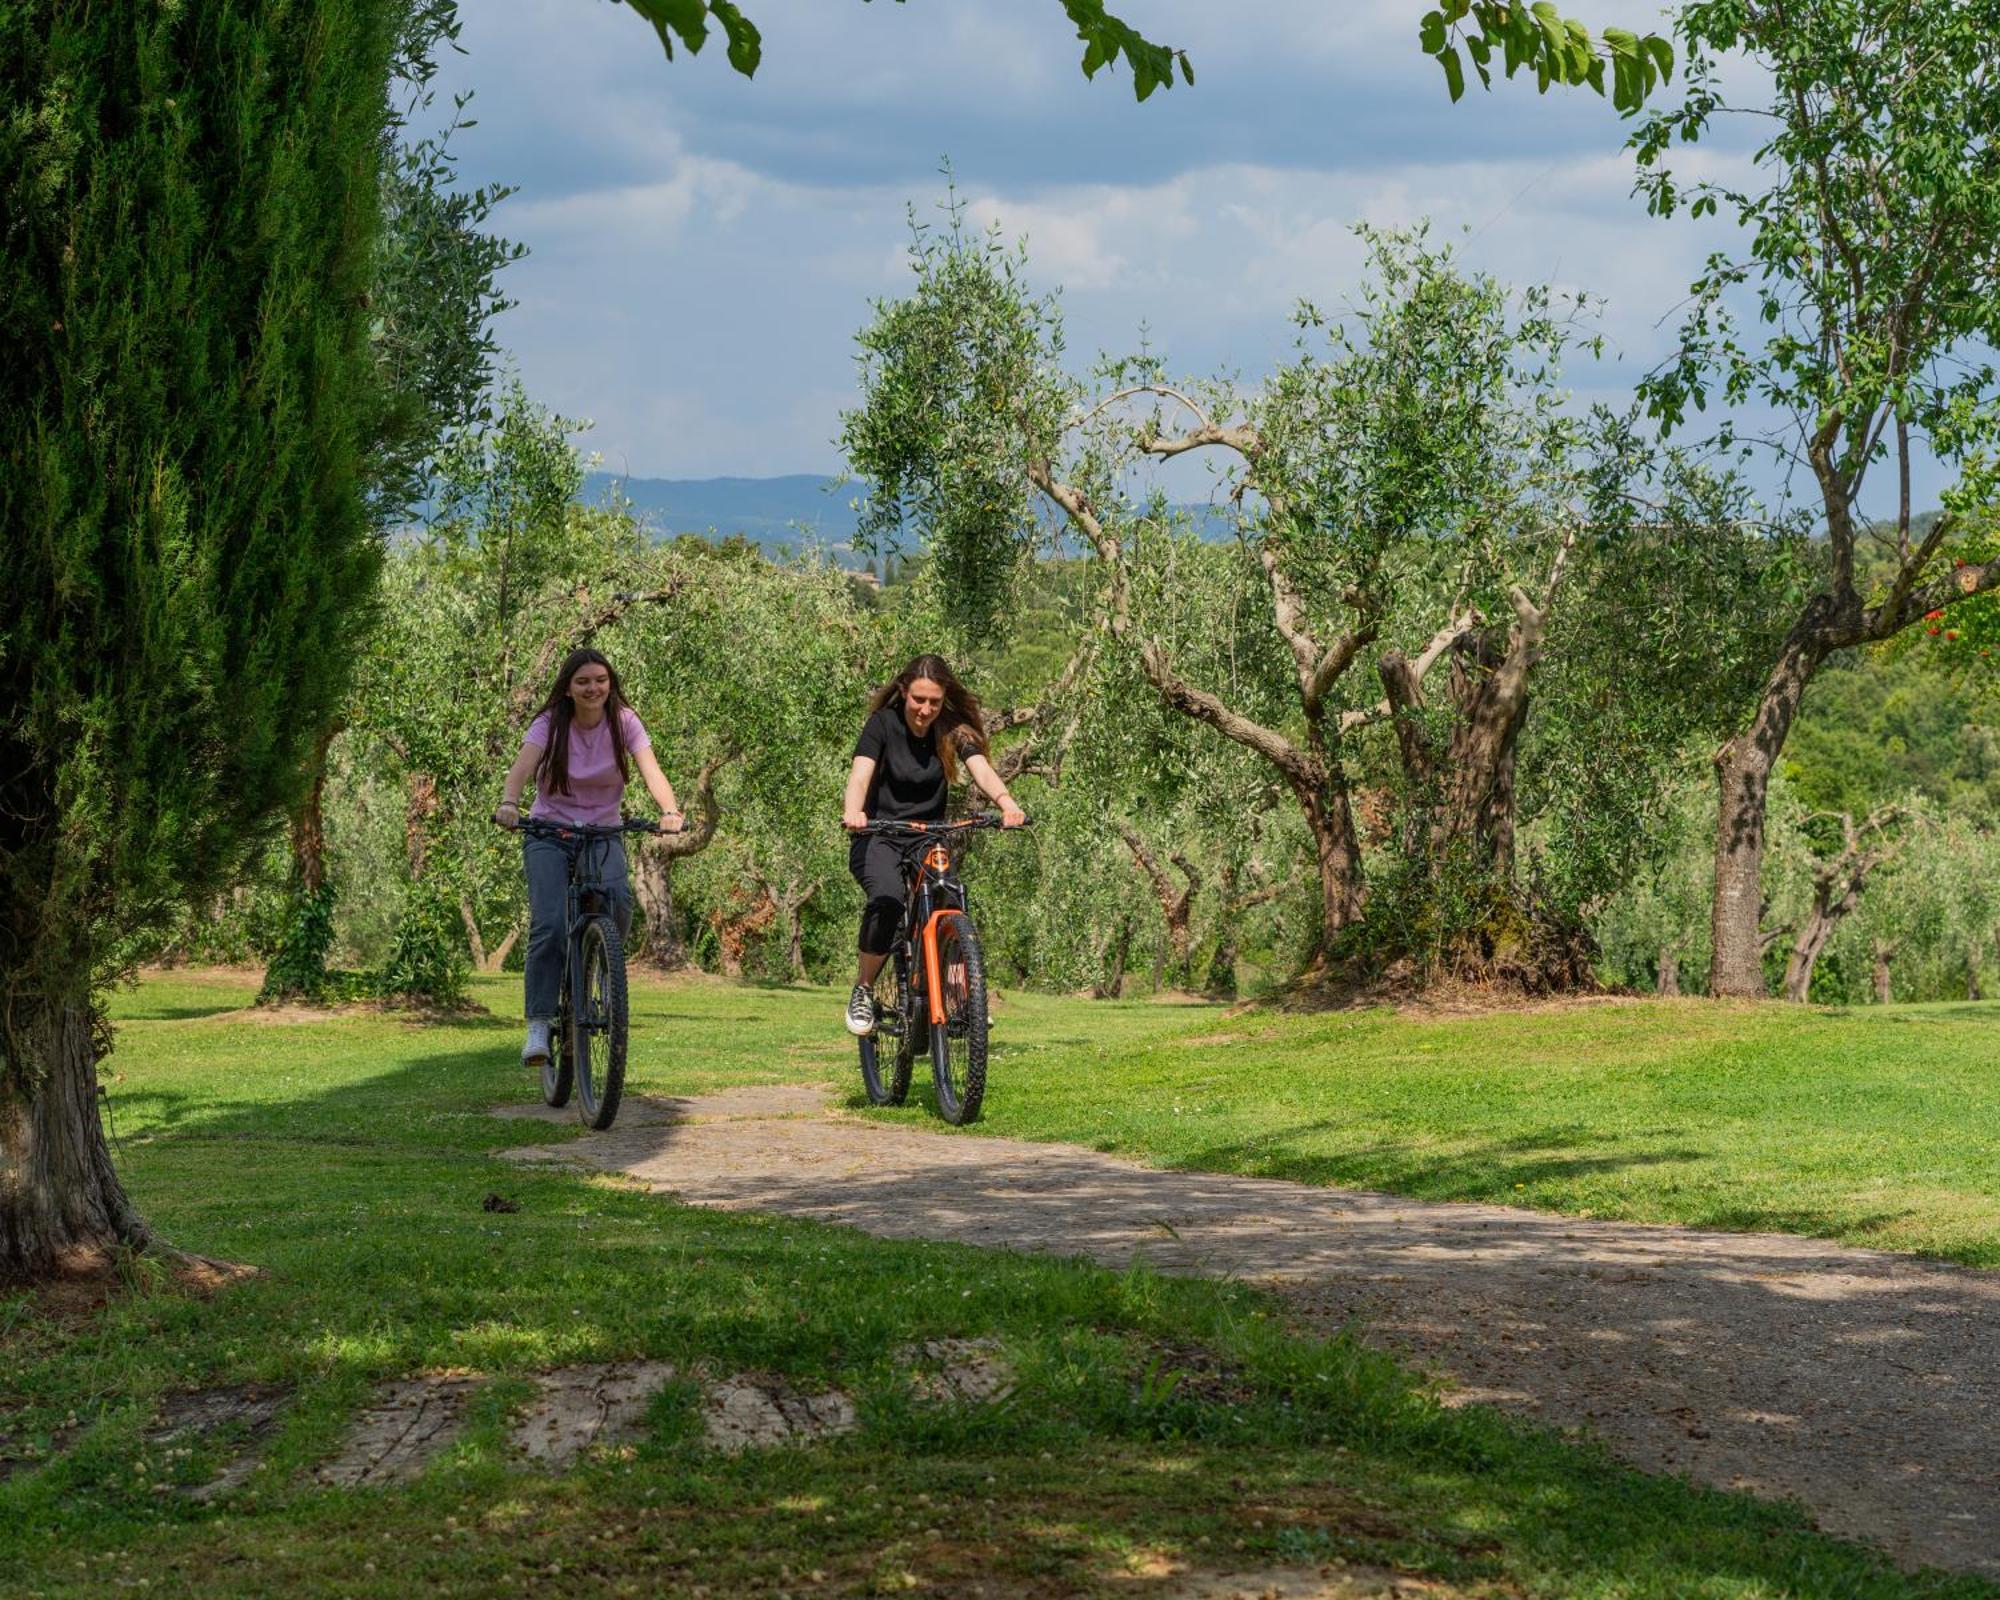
(877, 867)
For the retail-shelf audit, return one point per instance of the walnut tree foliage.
(1514, 37)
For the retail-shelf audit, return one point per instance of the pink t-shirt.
(595, 789)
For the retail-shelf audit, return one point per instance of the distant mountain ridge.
(780, 513)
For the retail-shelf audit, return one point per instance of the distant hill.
(777, 513)
(781, 513)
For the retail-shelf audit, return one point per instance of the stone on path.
(399, 1432)
(1295, 1583)
(748, 1411)
(194, 1416)
(576, 1408)
(968, 1371)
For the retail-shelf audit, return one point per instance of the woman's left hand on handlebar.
(672, 822)
(1013, 817)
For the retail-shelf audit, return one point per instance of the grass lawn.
(349, 1158)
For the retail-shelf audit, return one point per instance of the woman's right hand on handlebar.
(507, 815)
(853, 820)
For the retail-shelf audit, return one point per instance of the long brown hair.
(961, 721)
(552, 772)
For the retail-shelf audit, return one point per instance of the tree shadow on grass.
(1492, 1170)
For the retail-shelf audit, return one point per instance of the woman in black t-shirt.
(919, 728)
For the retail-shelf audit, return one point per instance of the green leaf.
(746, 44)
(1431, 34)
(1454, 74)
(1662, 52)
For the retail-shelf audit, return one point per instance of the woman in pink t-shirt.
(580, 751)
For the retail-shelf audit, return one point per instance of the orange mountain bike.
(931, 992)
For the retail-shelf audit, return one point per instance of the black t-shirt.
(909, 783)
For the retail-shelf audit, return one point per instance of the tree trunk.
(1806, 951)
(653, 887)
(1972, 973)
(309, 825)
(473, 941)
(1489, 690)
(795, 944)
(1743, 778)
(1670, 970)
(420, 801)
(496, 960)
(1221, 981)
(61, 1202)
(1884, 991)
(1337, 856)
(1112, 985)
(1837, 887)
(1176, 906)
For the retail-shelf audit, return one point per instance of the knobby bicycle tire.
(888, 1045)
(598, 1022)
(958, 1047)
(559, 1065)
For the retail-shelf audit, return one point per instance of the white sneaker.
(861, 1011)
(536, 1050)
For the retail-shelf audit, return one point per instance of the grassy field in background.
(349, 1158)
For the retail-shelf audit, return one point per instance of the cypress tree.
(188, 402)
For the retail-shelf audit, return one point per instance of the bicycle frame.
(933, 889)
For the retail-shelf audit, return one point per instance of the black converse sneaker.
(861, 1011)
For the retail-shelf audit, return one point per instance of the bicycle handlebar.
(542, 828)
(984, 819)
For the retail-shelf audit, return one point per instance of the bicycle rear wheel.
(887, 1053)
(598, 1022)
(958, 1046)
(559, 1065)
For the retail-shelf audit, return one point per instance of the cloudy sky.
(703, 247)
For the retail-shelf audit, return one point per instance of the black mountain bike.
(587, 1053)
(931, 992)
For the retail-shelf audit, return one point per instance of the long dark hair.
(552, 773)
(961, 721)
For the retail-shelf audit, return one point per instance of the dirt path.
(1865, 1385)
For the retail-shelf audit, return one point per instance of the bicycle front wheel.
(598, 1022)
(958, 1046)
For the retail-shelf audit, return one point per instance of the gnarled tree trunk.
(1669, 981)
(1176, 906)
(1112, 985)
(653, 888)
(1837, 887)
(62, 1205)
(653, 859)
(1885, 952)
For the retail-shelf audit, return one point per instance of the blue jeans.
(546, 862)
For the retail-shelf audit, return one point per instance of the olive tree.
(1415, 495)
(1872, 265)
